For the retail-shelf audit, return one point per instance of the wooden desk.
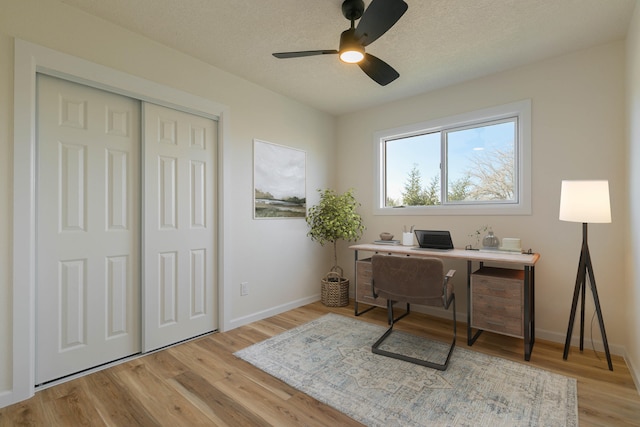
(526, 262)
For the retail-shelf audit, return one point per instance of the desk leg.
(355, 281)
(529, 313)
(471, 338)
(533, 306)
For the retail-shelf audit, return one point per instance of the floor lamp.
(585, 202)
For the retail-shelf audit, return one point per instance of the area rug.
(330, 359)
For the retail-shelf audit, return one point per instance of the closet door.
(179, 226)
(87, 251)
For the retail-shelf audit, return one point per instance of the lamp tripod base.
(585, 269)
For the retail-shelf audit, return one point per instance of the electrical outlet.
(244, 288)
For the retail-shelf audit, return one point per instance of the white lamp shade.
(585, 201)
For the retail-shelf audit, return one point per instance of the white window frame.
(519, 109)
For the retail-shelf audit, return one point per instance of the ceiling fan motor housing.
(352, 9)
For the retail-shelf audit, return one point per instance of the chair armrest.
(446, 298)
(447, 277)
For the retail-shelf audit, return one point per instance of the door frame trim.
(29, 60)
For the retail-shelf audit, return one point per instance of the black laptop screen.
(434, 239)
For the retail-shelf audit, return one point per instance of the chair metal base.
(440, 366)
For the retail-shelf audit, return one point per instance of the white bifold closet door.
(126, 224)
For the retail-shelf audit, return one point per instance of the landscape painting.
(279, 181)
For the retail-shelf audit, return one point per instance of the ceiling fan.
(379, 17)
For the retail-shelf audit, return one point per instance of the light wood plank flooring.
(202, 383)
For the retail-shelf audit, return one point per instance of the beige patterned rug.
(330, 359)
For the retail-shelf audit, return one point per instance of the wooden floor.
(202, 383)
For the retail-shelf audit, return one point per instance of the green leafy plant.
(335, 218)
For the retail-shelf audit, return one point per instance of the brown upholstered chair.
(413, 280)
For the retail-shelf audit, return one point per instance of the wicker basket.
(335, 290)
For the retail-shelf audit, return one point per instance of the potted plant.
(335, 218)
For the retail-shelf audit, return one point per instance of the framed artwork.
(279, 181)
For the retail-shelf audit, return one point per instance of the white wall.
(281, 264)
(578, 132)
(632, 285)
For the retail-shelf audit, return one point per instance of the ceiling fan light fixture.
(352, 56)
(351, 51)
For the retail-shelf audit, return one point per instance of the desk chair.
(414, 280)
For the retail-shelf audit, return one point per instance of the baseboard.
(7, 397)
(254, 317)
(635, 374)
(552, 336)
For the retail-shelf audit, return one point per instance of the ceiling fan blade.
(378, 70)
(284, 55)
(378, 18)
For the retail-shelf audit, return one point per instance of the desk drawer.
(508, 307)
(496, 323)
(497, 300)
(497, 286)
(364, 293)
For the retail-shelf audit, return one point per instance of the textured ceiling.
(435, 44)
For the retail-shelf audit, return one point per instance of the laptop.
(434, 239)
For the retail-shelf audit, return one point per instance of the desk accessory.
(407, 235)
(407, 239)
(585, 201)
(490, 241)
(386, 242)
(511, 244)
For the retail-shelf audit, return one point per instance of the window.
(477, 163)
